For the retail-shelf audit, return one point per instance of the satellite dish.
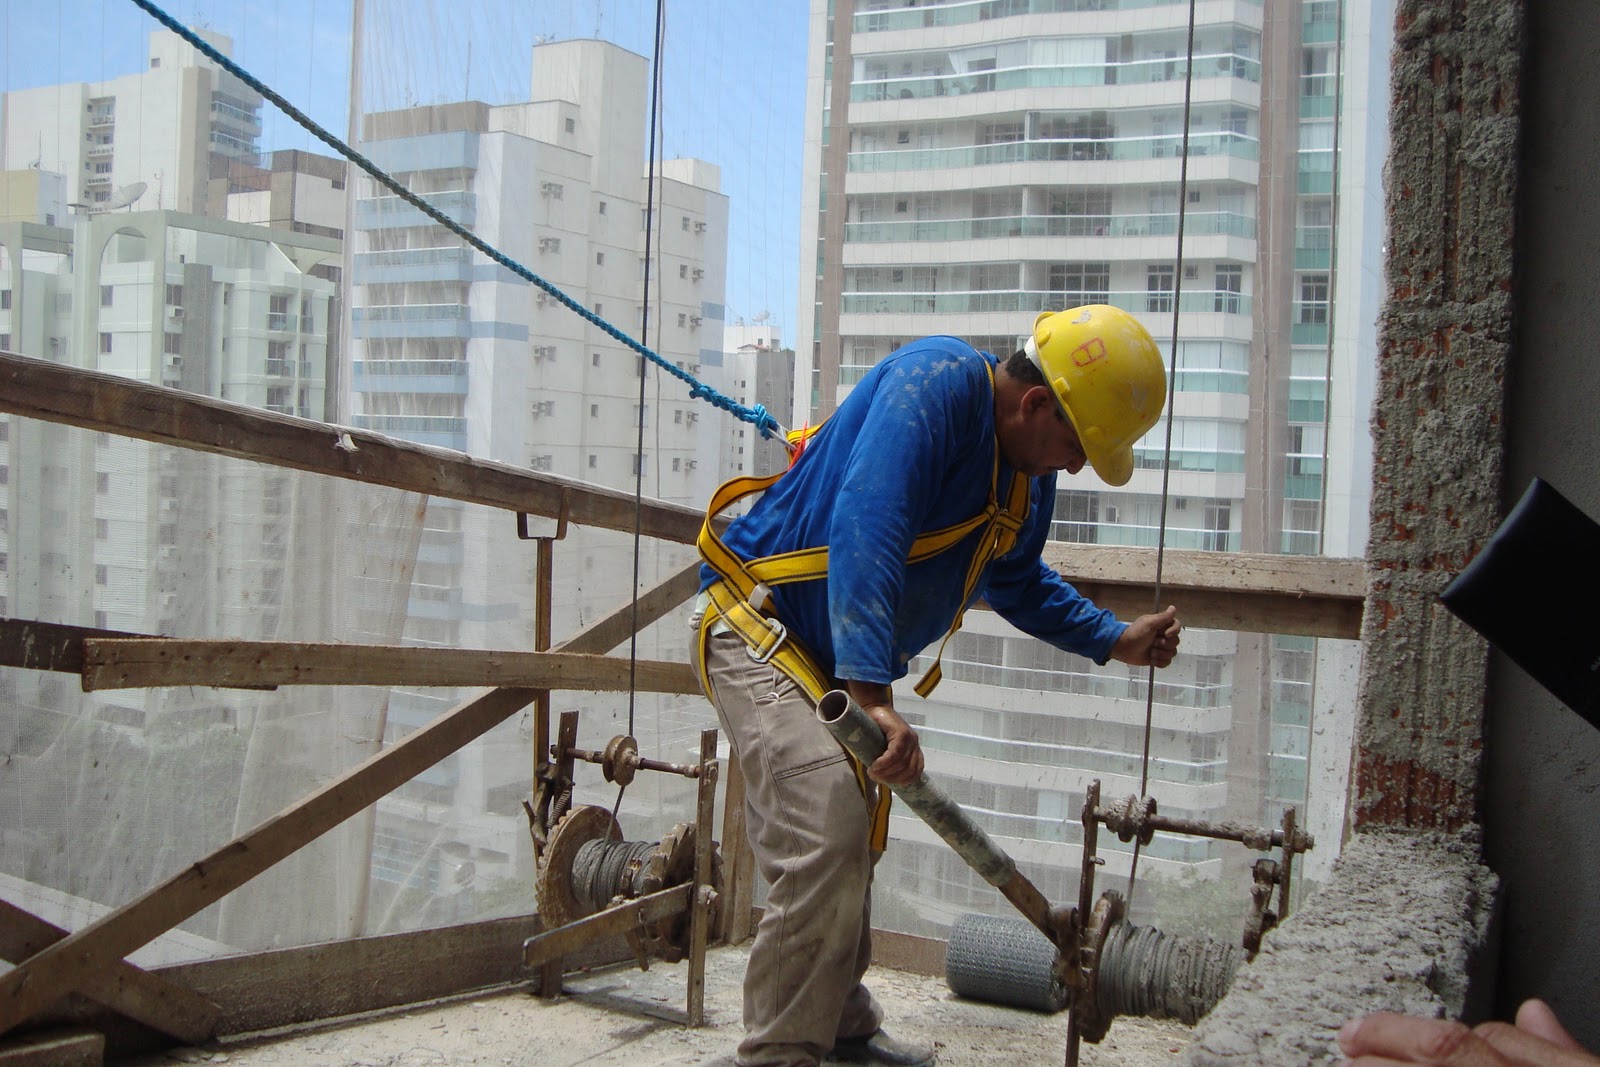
(761, 316)
(123, 197)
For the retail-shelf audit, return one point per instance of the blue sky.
(733, 82)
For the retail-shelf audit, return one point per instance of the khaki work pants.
(807, 823)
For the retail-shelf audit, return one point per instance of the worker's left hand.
(1149, 639)
(1389, 1040)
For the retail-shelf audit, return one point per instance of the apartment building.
(452, 349)
(156, 131)
(973, 163)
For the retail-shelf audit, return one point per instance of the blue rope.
(757, 414)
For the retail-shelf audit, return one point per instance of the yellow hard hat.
(1108, 376)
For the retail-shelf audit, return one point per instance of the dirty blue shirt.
(910, 450)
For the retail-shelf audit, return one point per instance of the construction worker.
(930, 486)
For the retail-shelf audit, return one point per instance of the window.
(1081, 283)
(102, 529)
(572, 125)
(599, 259)
(278, 304)
(170, 343)
(5, 342)
(105, 296)
(595, 360)
(638, 464)
(1313, 299)
(174, 296)
(601, 207)
(677, 463)
(1230, 282)
(599, 308)
(5, 299)
(1158, 287)
(594, 411)
(102, 483)
(100, 574)
(105, 343)
(683, 270)
(593, 462)
(677, 416)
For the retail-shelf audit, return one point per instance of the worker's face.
(1043, 440)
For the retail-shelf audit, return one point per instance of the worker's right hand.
(1537, 1040)
(901, 762)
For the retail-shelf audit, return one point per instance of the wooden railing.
(1270, 594)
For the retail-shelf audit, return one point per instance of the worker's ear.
(1038, 398)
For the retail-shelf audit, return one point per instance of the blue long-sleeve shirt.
(911, 449)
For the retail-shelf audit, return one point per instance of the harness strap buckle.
(771, 640)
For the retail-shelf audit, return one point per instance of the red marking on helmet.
(1091, 351)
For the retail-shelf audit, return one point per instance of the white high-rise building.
(152, 135)
(450, 348)
(971, 163)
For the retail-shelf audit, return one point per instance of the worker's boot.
(878, 1047)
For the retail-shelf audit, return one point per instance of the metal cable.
(1166, 456)
(756, 414)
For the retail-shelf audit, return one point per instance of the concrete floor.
(624, 1016)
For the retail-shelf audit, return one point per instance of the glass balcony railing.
(453, 368)
(1131, 72)
(1195, 223)
(1134, 535)
(969, 11)
(1101, 760)
(1209, 461)
(408, 312)
(403, 424)
(1056, 150)
(1015, 301)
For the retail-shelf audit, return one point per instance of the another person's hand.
(1389, 1040)
(1149, 639)
(901, 762)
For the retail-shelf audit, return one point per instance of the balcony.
(1016, 301)
(1131, 72)
(446, 431)
(448, 264)
(1195, 224)
(411, 320)
(410, 376)
(393, 212)
(962, 14)
(1057, 150)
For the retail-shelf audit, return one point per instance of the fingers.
(1536, 1018)
(1519, 1046)
(1387, 1038)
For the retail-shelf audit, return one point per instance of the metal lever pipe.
(853, 729)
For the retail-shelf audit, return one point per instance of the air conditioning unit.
(1191, 272)
(697, 274)
(544, 298)
(175, 312)
(690, 464)
(542, 463)
(699, 227)
(694, 320)
(1180, 503)
(691, 417)
(543, 407)
(549, 244)
(1111, 513)
(542, 352)
(553, 190)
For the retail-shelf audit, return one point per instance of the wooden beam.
(122, 663)
(62, 1048)
(1309, 595)
(56, 392)
(138, 994)
(47, 646)
(605, 924)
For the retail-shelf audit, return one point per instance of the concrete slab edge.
(1397, 926)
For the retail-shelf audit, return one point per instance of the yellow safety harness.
(741, 598)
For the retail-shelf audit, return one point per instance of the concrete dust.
(624, 1016)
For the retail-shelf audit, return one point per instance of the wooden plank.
(700, 916)
(121, 663)
(738, 862)
(64, 1048)
(1244, 572)
(312, 983)
(47, 646)
(612, 922)
(66, 965)
(55, 392)
(1309, 595)
(139, 995)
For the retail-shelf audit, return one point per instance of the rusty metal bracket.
(562, 514)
